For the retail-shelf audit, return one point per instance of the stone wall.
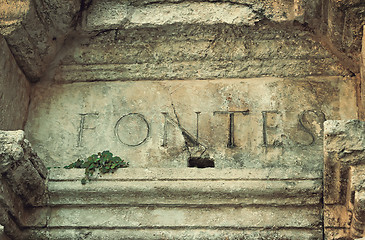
(343, 24)
(240, 87)
(362, 82)
(52, 31)
(35, 30)
(344, 174)
(22, 183)
(162, 68)
(341, 31)
(14, 91)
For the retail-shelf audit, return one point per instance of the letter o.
(132, 129)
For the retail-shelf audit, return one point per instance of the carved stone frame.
(344, 176)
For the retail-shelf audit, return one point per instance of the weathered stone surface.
(346, 140)
(10, 203)
(343, 23)
(187, 217)
(35, 30)
(362, 72)
(185, 186)
(264, 135)
(358, 221)
(357, 188)
(14, 91)
(12, 230)
(149, 203)
(172, 174)
(105, 14)
(35, 217)
(51, 32)
(27, 183)
(40, 34)
(195, 51)
(2, 234)
(11, 14)
(21, 168)
(122, 15)
(22, 185)
(344, 147)
(11, 149)
(154, 123)
(181, 234)
(277, 193)
(337, 216)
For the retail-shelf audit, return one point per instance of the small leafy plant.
(104, 162)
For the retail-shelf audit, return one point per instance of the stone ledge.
(174, 174)
(269, 192)
(185, 217)
(178, 234)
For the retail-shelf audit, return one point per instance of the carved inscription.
(84, 127)
(266, 128)
(314, 118)
(132, 129)
(231, 143)
(189, 138)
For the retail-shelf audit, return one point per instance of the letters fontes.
(239, 123)
(133, 129)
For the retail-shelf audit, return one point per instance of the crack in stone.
(179, 126)
(194, 147)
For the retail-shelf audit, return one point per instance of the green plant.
(104, 162)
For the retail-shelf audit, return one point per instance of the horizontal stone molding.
(184, 233)
(184, 187)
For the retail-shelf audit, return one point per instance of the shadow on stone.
(200, 162)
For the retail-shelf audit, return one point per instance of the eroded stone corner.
(344, 176)
(22, 182)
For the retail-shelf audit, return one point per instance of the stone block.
(32, 156)
(11, 150)
(106, 14)
(237, 123)
(185, 217)
(194, 51)
(207, 187)
(344, 149)
(22, 170)
(27, 183)
(10, 203)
